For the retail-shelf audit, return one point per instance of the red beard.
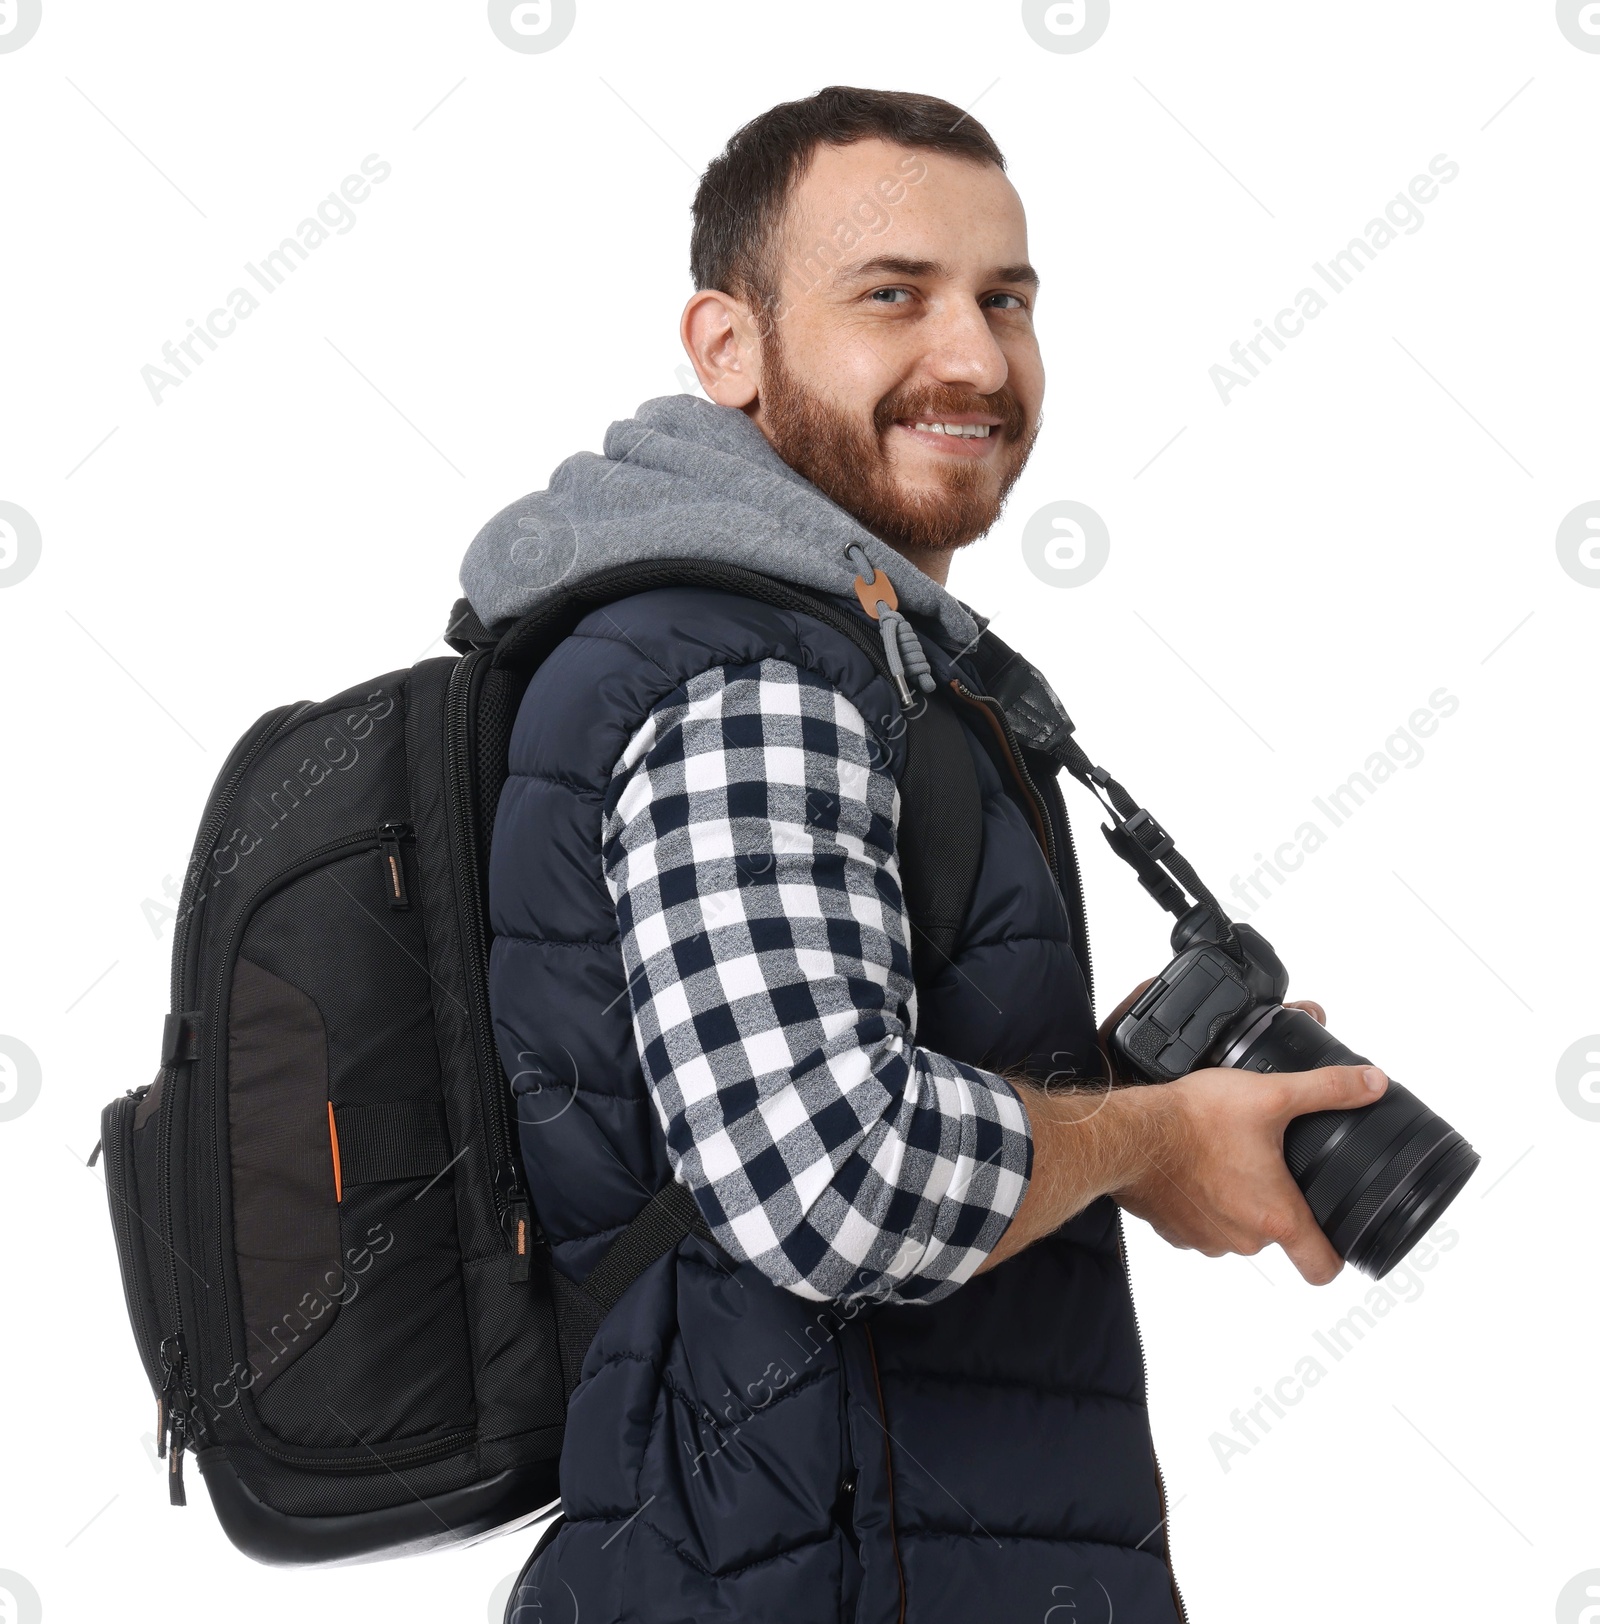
(849, 463)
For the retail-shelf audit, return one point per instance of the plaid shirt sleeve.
(749, 846)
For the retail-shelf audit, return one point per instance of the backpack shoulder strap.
(941, 833)
(941, 827)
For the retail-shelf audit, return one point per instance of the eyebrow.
(895, 265)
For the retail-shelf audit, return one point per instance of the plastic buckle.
(1163, 842)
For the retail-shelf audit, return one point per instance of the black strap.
(1141, 842)
(394, 1139)
(941, 830)
(940, 837)
(1039, 718)
(465, 632)
(524, 643)
(664, 1220)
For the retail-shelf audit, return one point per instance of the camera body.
(1375, 1177)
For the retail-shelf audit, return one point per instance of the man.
(906, 1383)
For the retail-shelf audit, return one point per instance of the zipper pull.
(519, 1224)
(169, 1375)
(518, 1221)
(176, 1495)
(94, 1155)
(394, 868)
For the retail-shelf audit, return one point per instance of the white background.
(1372, 519)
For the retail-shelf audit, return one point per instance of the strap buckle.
(1156, 842)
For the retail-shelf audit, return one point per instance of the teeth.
(962, 431)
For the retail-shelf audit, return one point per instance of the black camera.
(1375, 1177)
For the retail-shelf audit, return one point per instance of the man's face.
(905, 315)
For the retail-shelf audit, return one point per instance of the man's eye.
(886, 295)
(1016, 302)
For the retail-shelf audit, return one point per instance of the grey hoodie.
(685, 479)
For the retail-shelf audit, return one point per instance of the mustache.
(930, 405)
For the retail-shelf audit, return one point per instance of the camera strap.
(1041, 722)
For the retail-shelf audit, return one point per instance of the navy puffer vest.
(734, 1451)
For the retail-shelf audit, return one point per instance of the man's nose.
(961, 348)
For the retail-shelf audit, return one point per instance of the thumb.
(1333, 1088)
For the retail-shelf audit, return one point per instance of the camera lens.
(1377, 1177)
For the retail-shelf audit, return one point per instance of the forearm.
(1085, 1145)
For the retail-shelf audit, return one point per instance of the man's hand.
(1200, 1159)
(1217, 1182)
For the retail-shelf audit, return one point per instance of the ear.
(720, 338)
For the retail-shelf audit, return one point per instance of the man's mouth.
(962, 436)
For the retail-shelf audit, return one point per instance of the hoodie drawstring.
(901, 645)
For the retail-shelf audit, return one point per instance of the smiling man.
(887, 1368)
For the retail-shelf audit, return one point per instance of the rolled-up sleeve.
(749, 847)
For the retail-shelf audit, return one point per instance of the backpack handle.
(465, 632)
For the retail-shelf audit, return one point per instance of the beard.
(848, 461)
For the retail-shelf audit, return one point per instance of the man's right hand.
(1215, 1180)
(1200, 1159)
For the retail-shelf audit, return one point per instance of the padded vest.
(735, 1451)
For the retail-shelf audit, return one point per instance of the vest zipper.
(888, 1470)
(1144, 1375)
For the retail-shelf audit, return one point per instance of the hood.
(684, 478)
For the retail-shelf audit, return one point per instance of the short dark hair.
(744, 191)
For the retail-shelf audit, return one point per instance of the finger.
(1309, 1249)
(1109, 1024)
(1331, 1088)
(1313, 1256)
(1313, 1009)
(1128, 1002)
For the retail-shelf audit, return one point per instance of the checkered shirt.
(749, 846)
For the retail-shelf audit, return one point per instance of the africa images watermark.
(868, 216)
(1401, 1285)
(1401, 216)
(334, 749)
(275, 268)
(1403, 748)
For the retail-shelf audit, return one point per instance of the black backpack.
(334, 1272)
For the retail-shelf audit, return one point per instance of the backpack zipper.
(119, 1176)
(178, 1396)
(219, 804)
(513, 1210)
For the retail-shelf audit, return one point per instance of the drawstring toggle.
(901, 646)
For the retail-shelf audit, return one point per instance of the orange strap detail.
(333, 1139)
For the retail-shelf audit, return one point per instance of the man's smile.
(965, 434)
